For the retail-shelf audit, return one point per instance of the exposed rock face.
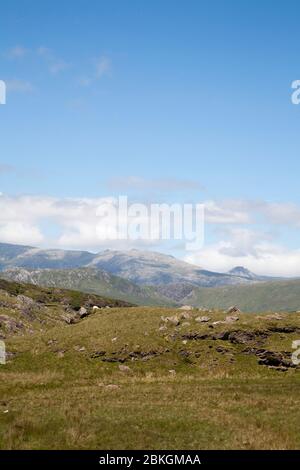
(244, 337)
(28, 307)
(272, 359)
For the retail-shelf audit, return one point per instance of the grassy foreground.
(123, 378)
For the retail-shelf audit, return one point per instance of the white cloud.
(279, 213)
(264, 259)
(20, 232)
(25, 219)
(255, 250)
(228, 212)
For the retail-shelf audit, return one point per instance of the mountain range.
(140, 277)
(139, 267)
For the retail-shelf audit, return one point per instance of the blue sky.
(108, 92)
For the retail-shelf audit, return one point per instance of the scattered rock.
(185, 316)
(274, 359)
(243, 337)
(186, 307)
(10, 324)
(274, 316)
(95, 308)
(195, 336)
(60, 353)
(97, 354)
(216, 323)
(162, 328)
(124, 368)
(233, 309)
(173, 320)
(112, 387)
(202, 319)
(125, 355)
(23, 300)
(283, 329)
(27, 306)
(172, 372)
(223, 335)
(69, 319)
(82, 312)
(231, 319)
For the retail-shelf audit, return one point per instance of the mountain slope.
(89, 280)
(36, 258)
(158, 269)
(263, 296)
(8, 253)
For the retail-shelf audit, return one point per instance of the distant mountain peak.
(241, 271)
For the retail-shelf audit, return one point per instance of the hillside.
(148, 378)
(89, 280)
(32, 258)
(26, 308)
(263, 296)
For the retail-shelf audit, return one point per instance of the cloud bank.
(73, 223)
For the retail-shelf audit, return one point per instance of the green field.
(123, 378)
